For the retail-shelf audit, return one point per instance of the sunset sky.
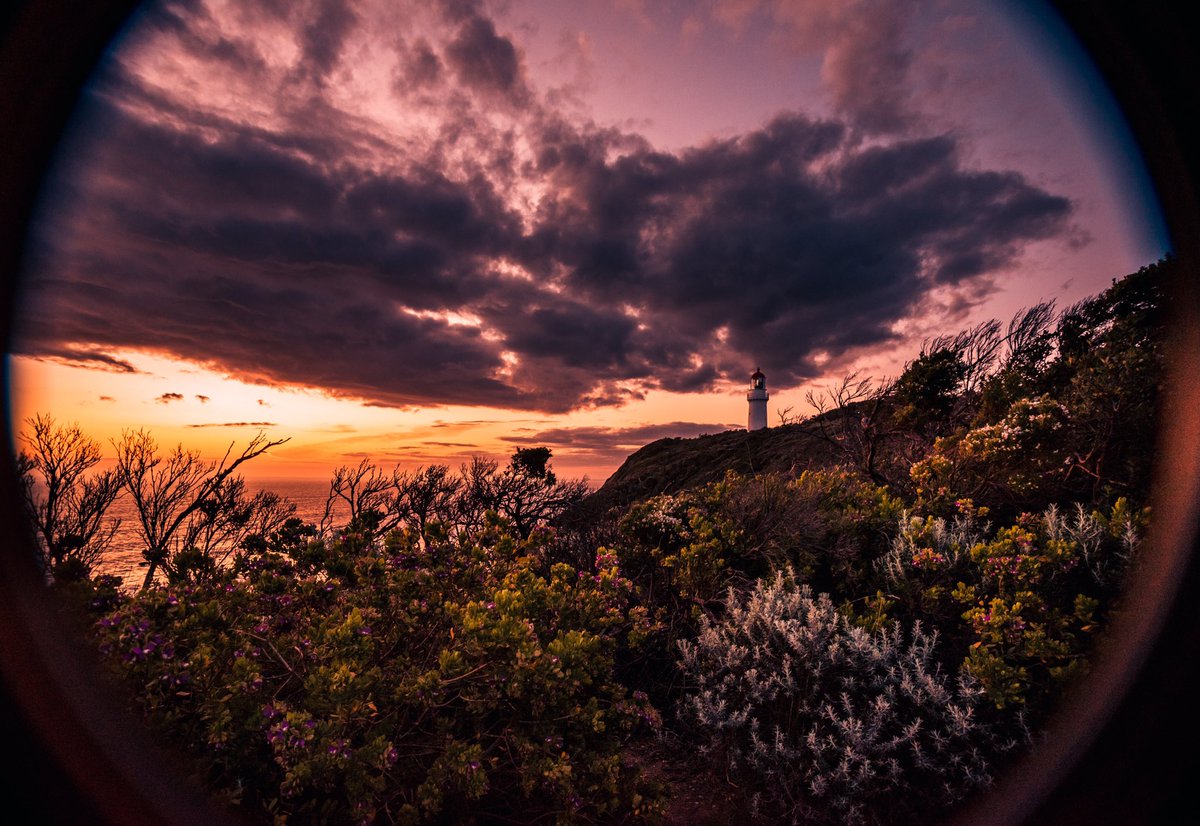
(425, 230)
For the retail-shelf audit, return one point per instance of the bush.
(825, 525)
(413, 680)
(929, 556)
(1014, 463)
(1021, 603)
(827, 721)
(683, 551)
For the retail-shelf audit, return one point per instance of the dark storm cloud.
(576, 334)
(419, 67)
(789, 238)
(324, 36)
(311, 251)
(459, 10)
(484, 60)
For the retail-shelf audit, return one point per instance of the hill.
(1056, 407)
(676, 464)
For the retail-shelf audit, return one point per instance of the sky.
(422, 231)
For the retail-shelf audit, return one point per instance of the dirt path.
(695, 794)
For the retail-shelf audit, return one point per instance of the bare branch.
(66, 507)
(166, 492)
(361, 490)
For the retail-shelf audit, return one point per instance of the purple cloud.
(511, 256)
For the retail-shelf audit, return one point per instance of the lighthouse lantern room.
(757, 398)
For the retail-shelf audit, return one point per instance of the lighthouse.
(757, 398)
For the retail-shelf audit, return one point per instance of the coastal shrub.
(850, 524)
(674, 545)
(1027, 598)
(928, 557)
(829, 722)
(677, 558)
(418, 679)
(1015, 462)
(1042, 588)
(683, 552)
(825, 525)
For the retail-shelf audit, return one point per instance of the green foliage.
(824, 524)
(1029, 595)
(1015, 462)
(929, 555)
(532, 461)
(1111, 373)
(928, 390)
(1025, 632)
(850, 524)
(410, 681)
(673, 545)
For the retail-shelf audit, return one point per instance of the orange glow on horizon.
(181, 403)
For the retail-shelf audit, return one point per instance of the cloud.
(419, 67)
(485, 61)
(234, 424)
(75, 356)
(790, 239)
(324, 37)
(866, 56)
(467, 424)
(866, 62)
(509, 255)
(167, 398)
(602, 438)
(202, 399)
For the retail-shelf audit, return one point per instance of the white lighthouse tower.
(757, 397)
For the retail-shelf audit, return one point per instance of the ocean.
(124, 556)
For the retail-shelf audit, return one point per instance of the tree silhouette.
(168, 490)
(67, 509)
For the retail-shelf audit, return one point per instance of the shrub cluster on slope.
(421, 679)
(833, 722)
(865, 635)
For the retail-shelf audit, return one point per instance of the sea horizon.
(123, 557)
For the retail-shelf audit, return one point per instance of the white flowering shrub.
(827, 721)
